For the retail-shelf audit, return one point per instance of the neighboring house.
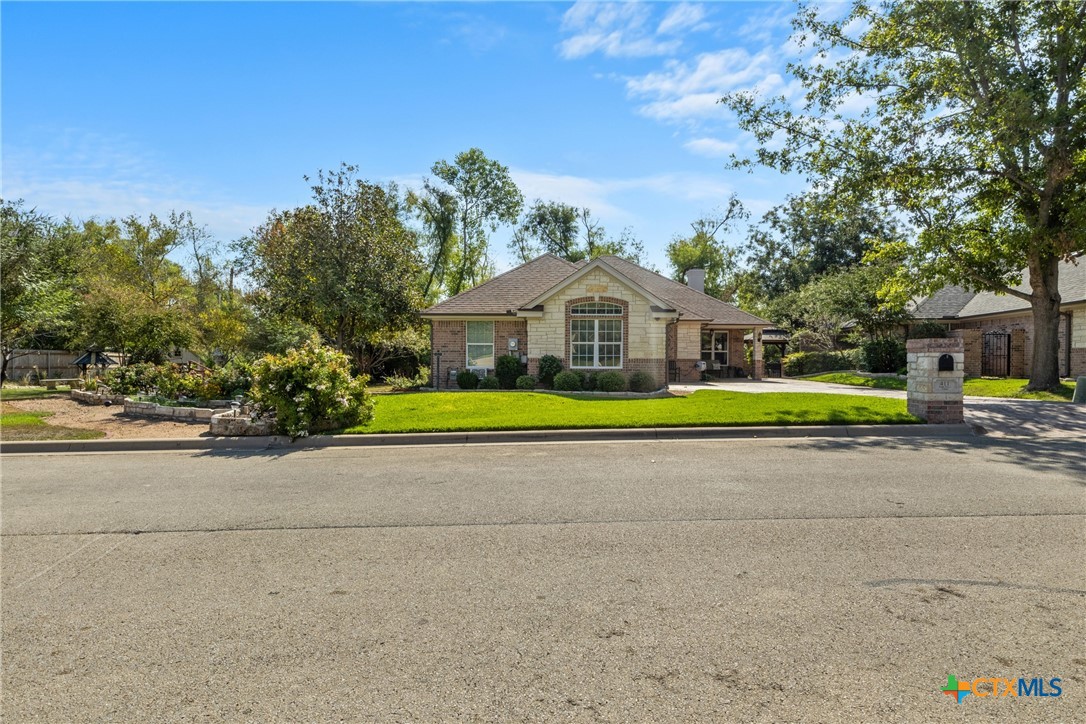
(607, 314)
(998, 328)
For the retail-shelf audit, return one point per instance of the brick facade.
(973, 347)
(449, 336)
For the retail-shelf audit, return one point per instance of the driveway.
(988, 415)
(822, 580)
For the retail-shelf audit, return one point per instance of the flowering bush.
(131, 379)
(311, 389)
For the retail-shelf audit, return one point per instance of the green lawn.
(847, 378)
(452, 411)
(10, 393)
(972, 387)
(18, 424)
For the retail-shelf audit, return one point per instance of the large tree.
(345, 264)
(809, 236)
(481, 195)
(570, 233)
(974, 131)
(38, 268)
(703, 250)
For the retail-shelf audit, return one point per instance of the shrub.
(311, 389)
(568, 381)
(401, 383)
(588, 380)
(610, 381)
(507, 369)
(549, 366)
(467, 380)
(526, 382)
(490, 383)
(234, 378)
(927, 330)
(883, 354)
(809, 363)
(642, 381)
(131, 379)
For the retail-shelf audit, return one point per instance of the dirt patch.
(110, 420)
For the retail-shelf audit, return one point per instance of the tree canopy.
(571, 233)
(345, 264)
(973, 132)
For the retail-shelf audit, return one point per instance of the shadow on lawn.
(1054, 455)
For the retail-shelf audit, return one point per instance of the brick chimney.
(695, 279)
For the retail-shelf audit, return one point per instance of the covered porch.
(705, 350)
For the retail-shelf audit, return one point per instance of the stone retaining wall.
(96, 398)
(181, 414)
(227, 424)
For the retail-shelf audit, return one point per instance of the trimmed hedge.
(467, 380)
(507, 369)
(549, 366)
(526, 382)
(809, 363)
(567, 381)
(490, 383)
(884, 354)
(610, 382)
(642, 381)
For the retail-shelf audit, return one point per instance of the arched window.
(595, 336)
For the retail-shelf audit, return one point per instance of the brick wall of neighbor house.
(644, 338)
(1018, 353)
(449, 336)
(973, 349)
(1007, 325)
(1078, 342)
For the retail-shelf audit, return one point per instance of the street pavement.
(741, 580)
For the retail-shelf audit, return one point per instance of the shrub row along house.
(606, 314)
(998, 328)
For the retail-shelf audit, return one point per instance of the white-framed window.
(714, 347)
(480, 345)
(595, 336)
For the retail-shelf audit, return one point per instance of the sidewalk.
(254, 444)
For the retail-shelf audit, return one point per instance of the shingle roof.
(519, 286)
(507, 291)
(979, 304)
(691, 303)
(946, 302)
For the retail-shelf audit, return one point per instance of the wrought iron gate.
(996, 356)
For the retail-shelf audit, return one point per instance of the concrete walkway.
(992, 415)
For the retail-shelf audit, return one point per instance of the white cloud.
(603, 195)
(763, 27)
(615, 29)
(683, 17)
(711, 147)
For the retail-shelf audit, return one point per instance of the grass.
(16, 424)
(454, 412)
(1010, 388)
(848, 378)
(9, 393)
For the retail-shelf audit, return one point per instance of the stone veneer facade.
(934, 396)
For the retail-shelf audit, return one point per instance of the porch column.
(756, 341)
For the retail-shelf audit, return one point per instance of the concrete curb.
(278, 442)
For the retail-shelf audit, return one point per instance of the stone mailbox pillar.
(935, 394)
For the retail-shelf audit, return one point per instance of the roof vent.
(695, 279)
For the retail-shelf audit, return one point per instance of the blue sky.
(110, 109)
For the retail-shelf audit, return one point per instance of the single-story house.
(998, 328)
(606, 314)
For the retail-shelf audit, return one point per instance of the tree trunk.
(1044, 279)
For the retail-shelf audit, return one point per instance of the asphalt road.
(817, 580)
